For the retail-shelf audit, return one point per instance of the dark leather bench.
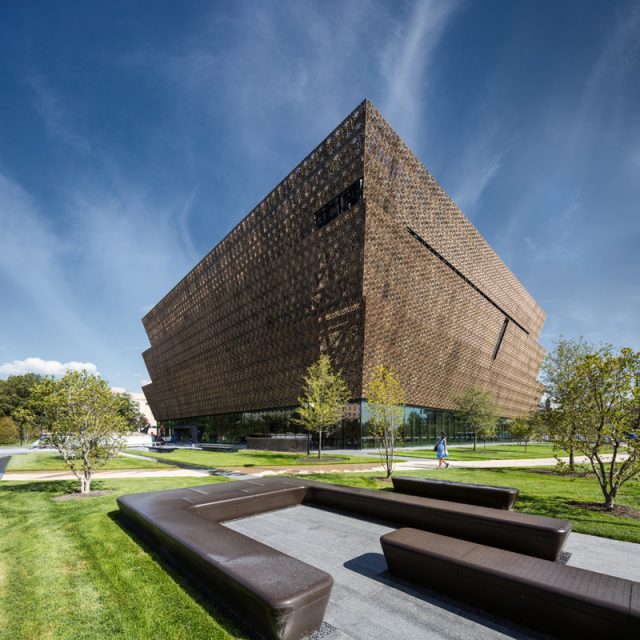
(566, 601)
(483, 495)
(533, 535)
(280, 596)
(229, 448)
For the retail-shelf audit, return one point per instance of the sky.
(134, 136)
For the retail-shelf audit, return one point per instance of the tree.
(386, 411)
(24, 420)
(558, 368)
(528, 428)
(601, 401)
(15, 392)
(8, 431)
(81, 416)
(324, 395)
(130, 411)
(476, 410)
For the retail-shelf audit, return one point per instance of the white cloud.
(45, 367)
(405, 65)
(58, 121)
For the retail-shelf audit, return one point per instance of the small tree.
(386, 412)
(8, 431)
(558, 368)
(81, 416)
(476, 410)
(324, 395)
(130, 411)
(528, 428)
(602, 402)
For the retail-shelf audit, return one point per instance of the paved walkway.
(374, 465)
(368, 604)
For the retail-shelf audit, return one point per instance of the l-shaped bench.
(282, 597)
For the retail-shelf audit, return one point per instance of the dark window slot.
(500, 337)
(342, 202)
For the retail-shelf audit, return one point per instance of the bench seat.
(533, 535)
(279, 596)
(483, 495)
(566, 601)
(282, 597)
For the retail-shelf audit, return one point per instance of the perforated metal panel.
(238, 332)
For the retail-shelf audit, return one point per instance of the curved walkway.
(241, 472)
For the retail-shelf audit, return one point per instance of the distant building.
(360, 254)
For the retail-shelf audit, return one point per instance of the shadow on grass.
(61, 487)
(195, 587)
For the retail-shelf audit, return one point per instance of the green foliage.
(601, 402)
(557, 370)
(16, 391)
(324, 396)
(130, 411)
(475, 408)
(529, 428)
(8, 431)
(386, 400)
(81, 416)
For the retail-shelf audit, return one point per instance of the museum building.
(358, 253)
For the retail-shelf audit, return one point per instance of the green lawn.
(48, 461)
(245, 458)
(492, 452)
(541, 494)
(70, 570)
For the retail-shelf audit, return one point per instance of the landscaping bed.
(247, 458)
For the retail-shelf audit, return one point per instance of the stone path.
(366, 603)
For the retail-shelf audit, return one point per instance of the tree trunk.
(609, 497)
(572, 464)
(85, 482)
(475, 440)
(319, 444)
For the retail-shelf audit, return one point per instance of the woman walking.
(441, 451)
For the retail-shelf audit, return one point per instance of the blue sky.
(135, 135)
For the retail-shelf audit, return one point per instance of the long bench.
(279, 596)
(282, 597)
(566, 601)
(212, 446)
(483, 495)
(532, 535)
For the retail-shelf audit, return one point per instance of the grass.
(492, 452)
(48, 461)
(70, 570)
(245, 458)
(544, 494)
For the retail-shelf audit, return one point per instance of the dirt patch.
(76, 496)
(618, 509)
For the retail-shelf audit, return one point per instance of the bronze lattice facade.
(357, 253)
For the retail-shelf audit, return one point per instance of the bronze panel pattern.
(436, 295)
(239, 331)
(401, 278)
